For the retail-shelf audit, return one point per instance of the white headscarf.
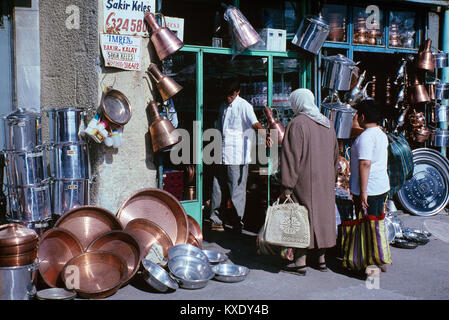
(303, 101)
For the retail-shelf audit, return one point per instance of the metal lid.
(318, 20)
(23, 114)
(339, 58)
(55, 294)
(15, 234)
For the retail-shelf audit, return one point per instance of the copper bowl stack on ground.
(18, 245)
(56, 247)
(101, 274)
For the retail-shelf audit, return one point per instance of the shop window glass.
(336, 16)
(368, 27)
(403, 29)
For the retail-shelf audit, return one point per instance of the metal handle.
(151, 74)
(160, 14)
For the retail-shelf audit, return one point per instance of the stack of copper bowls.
(18, 245)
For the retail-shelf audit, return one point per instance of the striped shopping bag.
(378, 247)
(353, 244)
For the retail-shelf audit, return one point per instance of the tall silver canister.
(311, 34)
(22, 130)
(341, 116)
(26, 167)
(67, 194)
(338, 72)
(18, 283)
(65, 124)
(69, 160)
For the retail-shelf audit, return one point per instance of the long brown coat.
(309, 160)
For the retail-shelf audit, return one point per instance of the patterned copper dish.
(88, 222)
(124, 245)
(160, 207)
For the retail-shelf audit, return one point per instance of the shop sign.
(126, 17)
(123, 52)
(176, 25)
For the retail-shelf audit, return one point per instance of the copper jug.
(418, 92)
(274, 124)
(426, 59)
(166, 85)
(163, 134)
(164, 40)
(244, 33)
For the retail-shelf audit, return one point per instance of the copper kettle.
(163, 134)
(274, 124)
(426, 59)
(243, 31)
(418, 92)
(164, 40)
(166, 85)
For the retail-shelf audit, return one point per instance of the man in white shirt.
(236, 122)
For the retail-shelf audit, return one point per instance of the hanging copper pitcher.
(244, 33)
(274, 124)
(164, 40)
(418, 92)
(166, 85)
(163, 134)
(426, 59)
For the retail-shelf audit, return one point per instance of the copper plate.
(101, 274)
(19, 260)
(195, 230)
(123, 244)
(160, 207)
(88, 222)
(14, 234)
(56, 247)
(152, 238)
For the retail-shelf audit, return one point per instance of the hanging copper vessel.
(426, 60)
(167, 86)
(418, 92)
(164, 40)
(274, 124)
(244, 33)
(163, 134)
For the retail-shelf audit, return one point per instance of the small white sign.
(123, 52)
(176, 25)
(126, 17)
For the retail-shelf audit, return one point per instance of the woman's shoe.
(298, 270)
(322, 267)
(383, 268)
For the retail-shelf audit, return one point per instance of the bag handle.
(288, 198)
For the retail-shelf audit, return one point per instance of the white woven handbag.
(287, 225)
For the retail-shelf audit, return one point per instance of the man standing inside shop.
(236, 118)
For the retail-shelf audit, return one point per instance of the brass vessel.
(167, 86)
(426, 60)
(163, 134)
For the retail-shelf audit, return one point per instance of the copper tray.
(101, 274)
(195, 230)
(124, 245)
(18, 260)
(152, 239)
(56, 247)
(160, 207)
(88, 222)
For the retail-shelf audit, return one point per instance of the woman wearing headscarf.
(309, 159)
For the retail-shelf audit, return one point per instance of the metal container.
(230, 272)
(2, 133)
(441, 60)
(157, 277)
(55, 294)
(65, 124)
(338, 72)
(190, 272)
(22, 130)
(341, 115)
(18, 283)
(187, 250)
(30, 203)
(311, 34)
(442, 113)
(67, 194)
(442, 91)
(69, 160)
(26, 167)
(215, 256)
(440, 138)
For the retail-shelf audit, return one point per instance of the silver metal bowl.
(187, 250)
(190, 272)
(55, 294)
(215, 256)
(157, 277)
(230, 272)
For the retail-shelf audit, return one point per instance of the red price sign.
(125, 25)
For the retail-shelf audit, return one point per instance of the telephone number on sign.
(120, 24)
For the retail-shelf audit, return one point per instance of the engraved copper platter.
(88, 222)
(124, 245)
(56, 247)
(159, 207)
(154, 241)
(195, 232)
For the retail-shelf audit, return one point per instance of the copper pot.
(163, 134)
(16, 239)
(164, 40)
(418, 92)
(426, 59)
(275, 124)
(18, 260)
(421, 134)
(167, 86)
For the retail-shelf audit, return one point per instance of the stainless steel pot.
(18, 283)
(440, 138)
(30, 203)
(441, 60)
(341, 116)
(338, 72)
(67, 194)
(441, 91)
(22, 130)
(65, 124)
(26, 167)
(2, 133)
(69, 160)
(441, 113)
(311, 34)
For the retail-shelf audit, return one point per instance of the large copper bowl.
(56, 247)
(154, 241)
(195, 231)
(18, 260)
(193, 241)
(16, 239)
(100, 274)
(160, 207)
(88, 222)
(124, 245)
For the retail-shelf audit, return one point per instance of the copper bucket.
(166, 85)
(163, 134)
(164, 40)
